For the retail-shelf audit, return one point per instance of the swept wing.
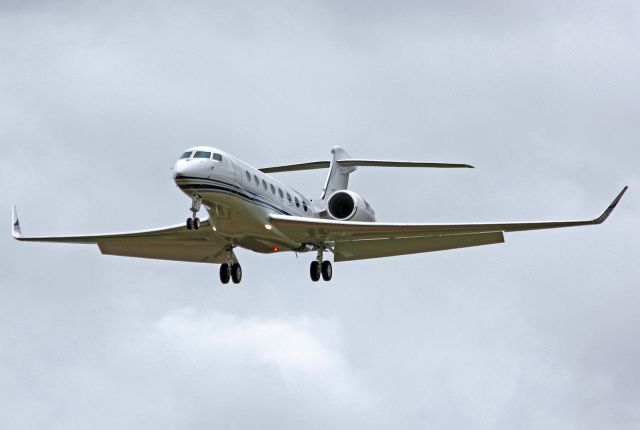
(167, 243)
(359, 240)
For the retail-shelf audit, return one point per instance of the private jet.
(249, 208)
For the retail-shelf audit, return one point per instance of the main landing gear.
(193, 223)
(231, 270)
(320, 268)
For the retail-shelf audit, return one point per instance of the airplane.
(249, 208)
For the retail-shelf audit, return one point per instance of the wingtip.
(15, 223)
(602, 218)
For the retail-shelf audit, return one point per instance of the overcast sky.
(99, 98)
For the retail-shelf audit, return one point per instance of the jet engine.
(344, 205)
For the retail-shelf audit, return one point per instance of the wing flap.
(376, 248)
(206, 252)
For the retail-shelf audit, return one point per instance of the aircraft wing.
(360, 240)
(168, 243)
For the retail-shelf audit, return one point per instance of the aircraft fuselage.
(239, 199)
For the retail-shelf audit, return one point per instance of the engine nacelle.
(344, 205)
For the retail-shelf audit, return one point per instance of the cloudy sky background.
(97, 101)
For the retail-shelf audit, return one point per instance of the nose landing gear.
(194, 223)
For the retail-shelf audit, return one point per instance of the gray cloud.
(97, 101)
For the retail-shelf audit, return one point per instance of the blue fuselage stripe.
(214, 185)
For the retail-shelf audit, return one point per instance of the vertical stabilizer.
(338, 177)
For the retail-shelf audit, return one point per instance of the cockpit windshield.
(202, 154)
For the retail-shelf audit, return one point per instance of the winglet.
(17, 234)
(611, 207)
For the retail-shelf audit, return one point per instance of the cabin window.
(248, 176)
(186, 155)
(289, 198)
(217, 157)
(297, 202)
(256, 180)
(202, 154)
(273, 189)
(304, 206)
(264, 184)
(281, 193)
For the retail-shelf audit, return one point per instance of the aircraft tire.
(189, 223)
(225, 273)
(314, 271)
(327, 270)
(196, 223)
(236, 273)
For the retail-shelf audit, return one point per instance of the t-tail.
(338, 176)
(341, 165)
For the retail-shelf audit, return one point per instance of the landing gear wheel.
(236, 273)
(196, 223)
(189, 223)
(327, 270)
(314, 271)
(225, 273)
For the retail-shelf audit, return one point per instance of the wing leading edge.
(358, 240)
(168, 243)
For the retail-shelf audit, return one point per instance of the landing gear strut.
(320, 268)
(194, 223)
(231, 270)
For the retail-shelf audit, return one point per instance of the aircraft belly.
(243, 223)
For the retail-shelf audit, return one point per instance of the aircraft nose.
(177, 170)
(180, 168)
(187, 168)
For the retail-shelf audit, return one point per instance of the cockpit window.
(186, 155)
(202, 154)
(216, 157)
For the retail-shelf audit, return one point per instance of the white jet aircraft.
(250, 209)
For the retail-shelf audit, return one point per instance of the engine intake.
(346, 205)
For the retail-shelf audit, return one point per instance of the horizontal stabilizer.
(312, 165)
(386, 163)
(295, 167)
